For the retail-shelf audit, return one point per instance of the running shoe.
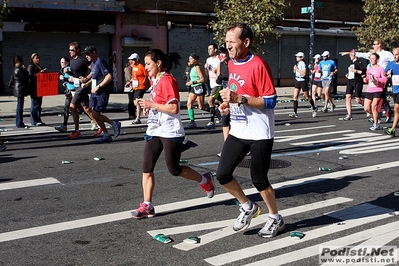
(98, 133)
(390, 131)
(293, 115)
(94, 125)
(375, 127)
(371, 120)
(74, 135)
(3, 147)
(272, 227)
(245, 217)
(388, 119)
(347, 118)
(314, 113)
(219, 154)
(61, 128)
(117, 128)
(143, 211)
(191, 125)
(104, 139)
(210, 126)
(324, 110)
(208, 187)
(332, 107)
(136, 121)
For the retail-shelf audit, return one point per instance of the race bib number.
(325, 74)
(237, 112)
(153, 117)
(351, 74)
(395, 79)
(135, 83)
(317, 75)
(76, 82)
(198, 90)
(93, 83)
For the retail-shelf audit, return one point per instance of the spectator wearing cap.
(328, 70)
(138, 83)
(385, 58)
(356, 72)
(99, 79)
(197, 88)
(317, 87)
(299, 70)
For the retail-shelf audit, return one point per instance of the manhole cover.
(274, 164)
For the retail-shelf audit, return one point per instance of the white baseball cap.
(325, 53)
(317, 56)
(134, 56)
(300, 54)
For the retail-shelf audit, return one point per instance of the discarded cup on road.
(297, 235)
(98, 158)
(162, 238)
(343, 157)
(324, 169)
(66, 162)
(191, 240)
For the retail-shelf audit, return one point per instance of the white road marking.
(314, 136)
(353, 216)
(58, 227)
(227, 230)
(300, 254)
(299, 129)
(29, 183)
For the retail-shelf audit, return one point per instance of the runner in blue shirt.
(328, 70)
(392, 71)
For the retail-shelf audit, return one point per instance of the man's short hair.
(246, 32)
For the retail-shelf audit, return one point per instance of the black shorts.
(317, 83)
(198, 90)
(395, 97)
(372, 95)
(301, 85)
(226, 120)
(138, 94)
(354, 86)
(81, 96)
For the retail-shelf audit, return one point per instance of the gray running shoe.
(191, 125)
(272, 227)
(245, 217)
(293, 115)
(347, 118)
(375, 127)
(314, 113)
(61, 128)
(3, 147)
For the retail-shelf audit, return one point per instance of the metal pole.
(311, 39)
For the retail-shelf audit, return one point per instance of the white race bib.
(317, 75)
(76, 82)
(237, 112)
(93, 83)
(153, 116)
(395, 79)
(325, 74)
(135, 83)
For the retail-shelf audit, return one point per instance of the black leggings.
(153, 149)
(235, 150)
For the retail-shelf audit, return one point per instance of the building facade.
(119, 28)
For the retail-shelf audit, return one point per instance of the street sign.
(306, 10)
(319, 4)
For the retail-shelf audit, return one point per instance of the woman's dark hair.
(167, 60)
(376, 55)
(66, 59)
(16, 59)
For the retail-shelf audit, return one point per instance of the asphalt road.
(79, 213)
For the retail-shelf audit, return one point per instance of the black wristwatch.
(243, 100)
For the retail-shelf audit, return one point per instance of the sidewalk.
(54, 105)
